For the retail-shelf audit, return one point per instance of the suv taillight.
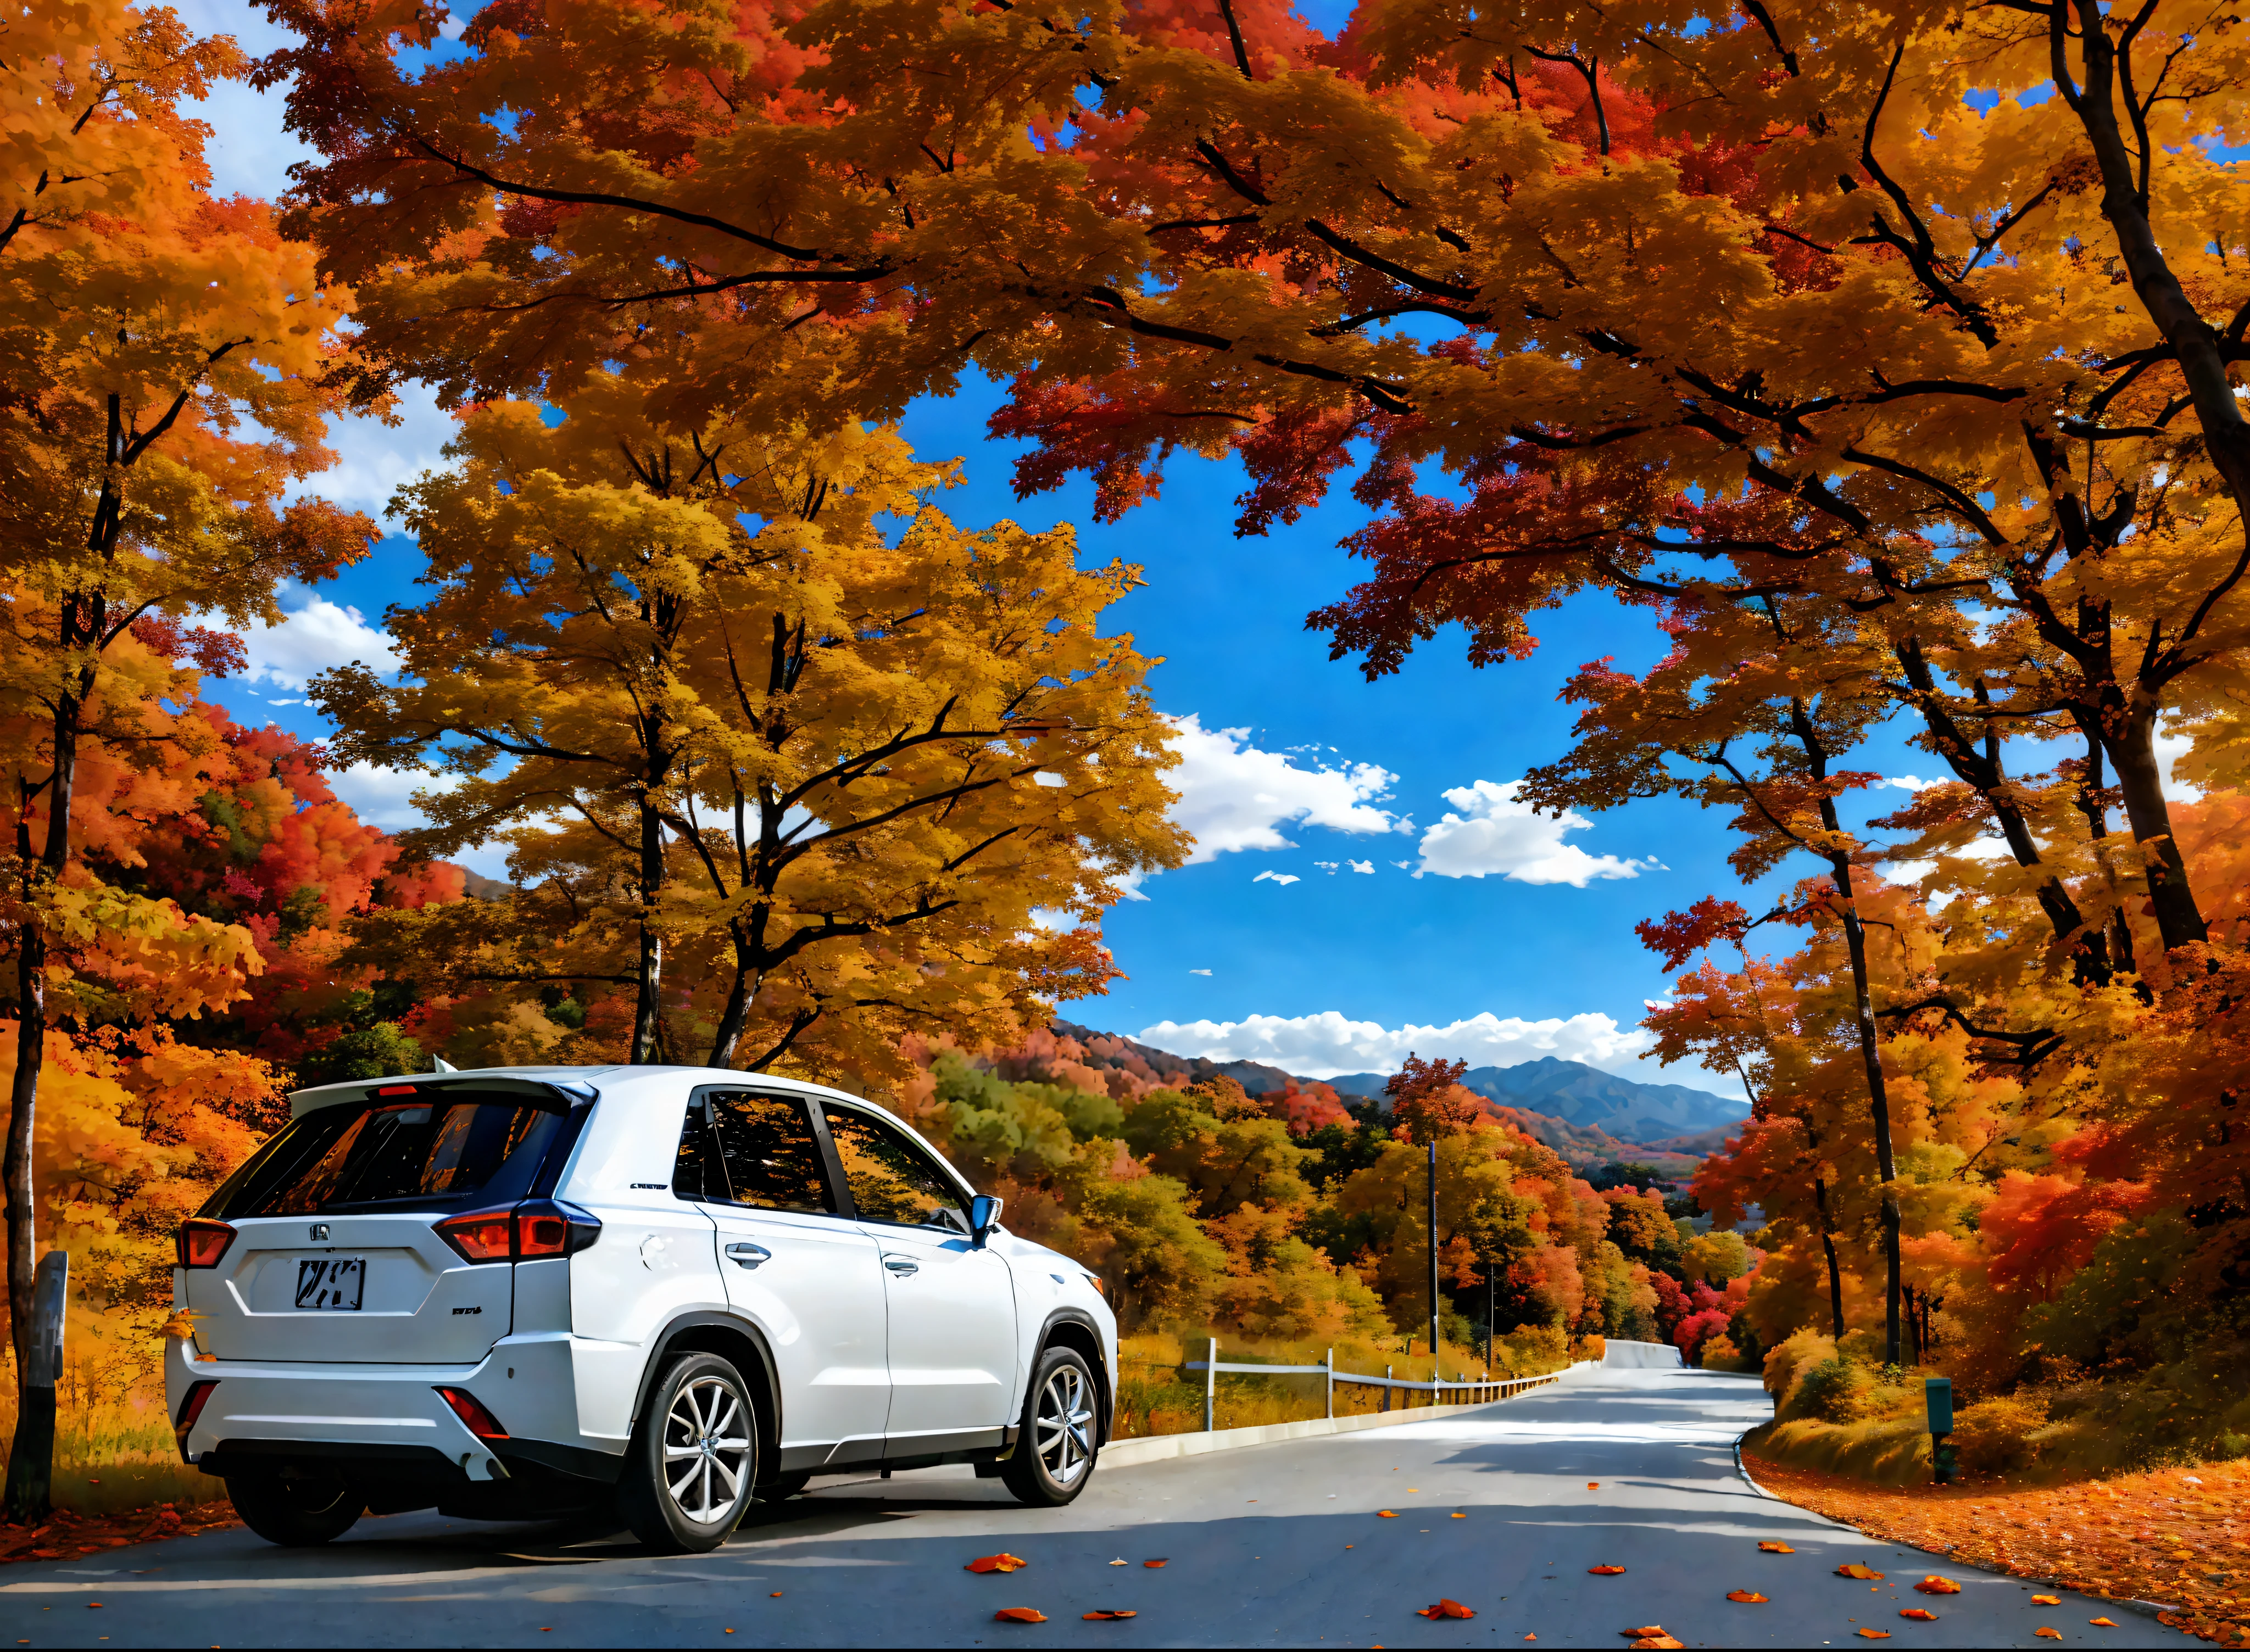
(526, 1232)
(201, 1241)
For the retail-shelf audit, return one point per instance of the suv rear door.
(335, 1257)
(807, 1277)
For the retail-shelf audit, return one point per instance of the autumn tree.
(862, 781)
(171, 364)
(1428, 1101)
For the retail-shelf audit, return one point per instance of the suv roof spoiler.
(570, 1091)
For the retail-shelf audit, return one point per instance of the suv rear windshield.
(438, 1150)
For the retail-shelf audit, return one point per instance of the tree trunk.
(31, 1043)
(1828, 1248)
(736, 1015)
(650, 975)
(2130, 743)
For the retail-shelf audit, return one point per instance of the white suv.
(519, 1292)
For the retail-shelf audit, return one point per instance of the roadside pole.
(1210, 1386)
(1434, 1367)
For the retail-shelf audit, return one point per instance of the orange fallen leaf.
(1019, 1614)
(1108, 1617)
(2103, 1623)
(1643, 1632)
(1593, 1485)
(1659, 1640)
(1917, 1615)
(1460, 1516)
(1855, 1570)
(2048, 1634)
(1936, 1585)
(2046, 1599)
(1384, 1514)
(1776, 1548)
(1876, 1634)
(776, 1594)
(1605, 1571)
(1748, 1597)
(1152, 1563)
(996, 1563)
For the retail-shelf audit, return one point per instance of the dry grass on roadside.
(2176, 1536)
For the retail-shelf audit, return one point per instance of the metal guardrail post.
(1210, 1388)
(1386, 1385)
(1331, 1384)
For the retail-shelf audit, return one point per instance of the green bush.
(1836, 1390)
(1994, 1436)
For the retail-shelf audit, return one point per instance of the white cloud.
(1910, 782)
(385, 797)
(1283, 879)
(1403, 866)
(1328, 866)
(1234, 795)
(315, 635)
(375, 459)
(1323, 1045)
(1367, 866)
(1199, 972)
(1496, 835)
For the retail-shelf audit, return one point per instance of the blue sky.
(1477, 930)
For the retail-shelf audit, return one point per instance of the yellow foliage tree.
(838, 784)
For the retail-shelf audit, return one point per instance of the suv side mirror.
(984, 1217)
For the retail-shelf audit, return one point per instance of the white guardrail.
(1470, 1390)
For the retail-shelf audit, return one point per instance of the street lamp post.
(1434, 1368)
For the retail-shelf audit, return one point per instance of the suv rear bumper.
(389, 1421)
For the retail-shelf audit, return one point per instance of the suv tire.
(1055, 1447)
(693, 1459)
(297, 1511)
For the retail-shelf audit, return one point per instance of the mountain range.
(1589, 1114)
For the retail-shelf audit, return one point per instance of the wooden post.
(31, 1456)
(1211, 1387)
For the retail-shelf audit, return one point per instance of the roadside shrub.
(1836, 1390)
(1721, 1354)
(1994, 1436)
(1788, 1360)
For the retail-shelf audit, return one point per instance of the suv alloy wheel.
(1054, 1452)
(694, 1457)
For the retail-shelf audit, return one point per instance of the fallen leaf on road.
(1875, 1634)
(2103, 1623)
(2046, 1599)
(1605, 1571)
(1917, 1615)
(996, 1563)
(1855, 1570)
(1658, 1640)
(776, 1594)
(1119, 1563)
(1108, 1617)
(1152, 1563)
(1748, 1597)
(1776, 1548)
(1593, 1485)
(1643, 1632)
(1936, 1585)
(1445, 1609)
(1019, 1614)
(1460, 1516)
(2045, 1634)
(1384, 1514)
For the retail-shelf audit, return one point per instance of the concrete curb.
(2145, 1608)
(1162, 1447)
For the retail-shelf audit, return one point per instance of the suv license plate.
(332, 1282)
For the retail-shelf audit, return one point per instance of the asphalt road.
(1271, 1545)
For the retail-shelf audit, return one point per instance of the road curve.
(1279, 1545)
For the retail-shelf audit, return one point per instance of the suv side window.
(891, 1179)
(740, 1148)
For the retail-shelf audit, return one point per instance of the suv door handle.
(747, 1255)
(902, 1265)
